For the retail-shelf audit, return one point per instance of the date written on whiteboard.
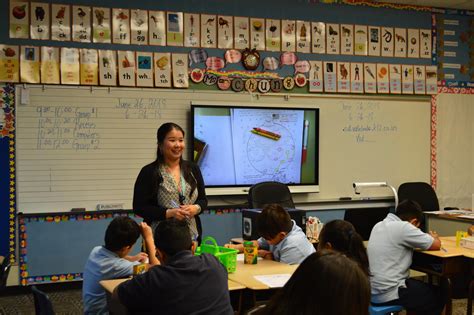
(141, 108)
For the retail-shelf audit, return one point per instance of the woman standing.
(170, 187)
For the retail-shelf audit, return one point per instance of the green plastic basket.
(227, 256)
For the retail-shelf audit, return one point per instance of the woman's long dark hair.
(160, 160)
(343, 237)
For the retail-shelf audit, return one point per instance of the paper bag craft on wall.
(419, 79)
(162, 69)
(40, 19)
(383, 83)
(121, 26)
(69, 65)
(192, 30)
(357, 78)
(19, 19)
(50, 72)
(138, 27)
(387, 39)
(60, 22)
(9, 63)
(370, 78)
(273, 35)
(347, 39)
(241, 32)
(208, 31)
(157, 28)
(288, 35)
(174, 28)
(343, 77)
(400, 42)
(330, 77)
(101, 25)
(257, 33)
(81, 24)
(360, 40)
(425, 43)
(225, 31)
(395, 79)
(107, 67)
(89, 67)
(144, 61)
(332, 39)
(126, 66)
(303, 36)
(374, 41)
(30, 64)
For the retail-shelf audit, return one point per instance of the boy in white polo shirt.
(390, 251)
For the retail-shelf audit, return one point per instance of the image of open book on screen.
(241, 146)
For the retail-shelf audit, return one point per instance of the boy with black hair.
(390, 251)
(282, 239)
(183, 283)
(112, 261)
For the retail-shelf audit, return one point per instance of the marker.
(305, 141)
(266, 133)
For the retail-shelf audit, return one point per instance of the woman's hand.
(191, 210)
(177, 213)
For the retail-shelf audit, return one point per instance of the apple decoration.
(300, 80)
(19, 12)
(250, 59)
(9, 52)
(197, 75)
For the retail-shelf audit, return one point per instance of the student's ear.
(160, 255)
(193, 246)
(415, 222)
(326, 245)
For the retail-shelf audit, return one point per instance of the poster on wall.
(333, 39)
(400, 42)
(19, 19)
(107, 67)
(29, 64)
(387, 41)
(144, 61)
(315, 76)
(413, 38)
(273, 35)
(395, 79)
(69, 65)
(383, 82)
(357, 78)
(225, 32)
(162, 69)
(425, 43)
(192, 29)
(407, 79)
(101, 25)
(138, 27)
(157, 28)
(81, 24)
(374, 40)
(208, 31)
(174, 28)
(60, 22)
(89, 66)
(9, 63)
(121, 26)
(288, 35)
(40, 17)
(241, 32)
(257, 33)
(330, 77)
(343, 77)
(50, 67)
(419, 79)
(431, 80)
(126, 68)
(180, 70)
(370, 79)
(360, 40)
(303, 36)
(318, 37)
(347, 39)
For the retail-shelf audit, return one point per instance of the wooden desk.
(446, 263)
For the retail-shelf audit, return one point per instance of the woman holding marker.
(170, 187)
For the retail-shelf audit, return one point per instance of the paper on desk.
(274, 281)
(468, 212)
(467, 216)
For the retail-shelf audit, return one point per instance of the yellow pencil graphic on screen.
(266, 133)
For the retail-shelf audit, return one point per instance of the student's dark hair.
(408, 210)
(121, 232)
(172, 236)
(272, 220)
(326, 282)
(161, 134)
(343, 237)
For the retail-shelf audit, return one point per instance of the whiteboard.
(82, 146)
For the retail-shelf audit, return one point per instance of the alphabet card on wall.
(303, 37)
(162, 69)
(330, 77)
(400, 42)
(395, 79)
(19, 19)
(30, 64)
(241, 32)
(288, 35)
(357, 78)
(40, 18)
(107, 67)
(387, 41)
(69, 65)
(257, 33)
(374, 41)
(121, 26)
(316, 76)
(431, 80)
(383, 83)
(60, 22)
(370, 79)
(318, 37)
(413, 36)
(407, 79)
(81, 24)
(101, 25)
(174, 28)
(273, 35)
(9, 63)
(139, 27)
(157, 28)
(333, 39)
(180, 70)
(89, 66)
(126, 68)
(425, 43)
(50, 65)
(225, 31)
(360, 40)
(343, 77)
(144, 61)
(192, 29)
(347, 39)
(419, 79)
(208, 31)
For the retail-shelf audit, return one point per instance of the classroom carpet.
(67, 300)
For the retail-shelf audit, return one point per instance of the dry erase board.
(81, 146)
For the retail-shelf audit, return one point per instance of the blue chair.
(383, 310)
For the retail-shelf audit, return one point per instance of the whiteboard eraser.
(109, 206)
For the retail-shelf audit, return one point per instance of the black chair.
(4, 271)
(270, 192)
(43, 305)
(364, 219)
(420, 192)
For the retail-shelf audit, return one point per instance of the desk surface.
(448, 243)
(245, 272)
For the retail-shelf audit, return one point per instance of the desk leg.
(446, 287)
(470, 297)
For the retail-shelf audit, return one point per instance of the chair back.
(420, 192)
(383, 310)
(43, 305)
(4, 271)
(270, 192)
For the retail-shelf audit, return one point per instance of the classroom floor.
(67, 300)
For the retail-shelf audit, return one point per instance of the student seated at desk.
(112, 261)
(341, 236)
(183, 283)
(327, 282)
(390, 250)
(282, 240)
